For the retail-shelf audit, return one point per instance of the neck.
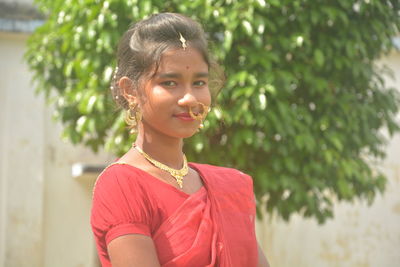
(165, 149)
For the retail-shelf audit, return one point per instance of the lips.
(184, 116)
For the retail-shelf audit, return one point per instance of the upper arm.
(120, 210)
(133, 250)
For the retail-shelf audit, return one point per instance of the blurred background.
(338, 215)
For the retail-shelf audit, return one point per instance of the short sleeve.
(120, 206)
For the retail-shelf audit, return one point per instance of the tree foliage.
(304, 103)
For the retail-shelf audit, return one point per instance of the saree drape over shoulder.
(213, 227)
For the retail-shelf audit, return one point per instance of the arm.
(262, 260)
(133, 250)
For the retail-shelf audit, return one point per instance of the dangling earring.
(133, 116)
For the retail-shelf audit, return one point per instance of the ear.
(128, 90)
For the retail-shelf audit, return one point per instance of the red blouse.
(212, 227)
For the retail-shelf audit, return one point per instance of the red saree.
(212, 227)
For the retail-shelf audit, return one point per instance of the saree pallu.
(216, 223)
(187, 236)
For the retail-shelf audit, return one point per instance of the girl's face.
(181, 81)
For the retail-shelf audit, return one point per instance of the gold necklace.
(177, 174)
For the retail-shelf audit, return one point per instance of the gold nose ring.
(202, 113)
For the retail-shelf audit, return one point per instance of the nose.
(188, 99)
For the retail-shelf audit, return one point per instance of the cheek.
(156, 97)
(158, 92)
(205, 98)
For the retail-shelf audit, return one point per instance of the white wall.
(22, 159)
(44, 212)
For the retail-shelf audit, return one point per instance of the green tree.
(304, 103)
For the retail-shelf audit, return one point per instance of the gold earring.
(133, 116)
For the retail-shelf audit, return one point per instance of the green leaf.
(319, 57)
(248, 27)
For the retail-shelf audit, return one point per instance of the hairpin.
(114, 78)
(183, 41)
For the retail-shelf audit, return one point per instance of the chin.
(186, 134)
(174, 132)
(182, 132)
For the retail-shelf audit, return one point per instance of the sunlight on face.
(180, 82)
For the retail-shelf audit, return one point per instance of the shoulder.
(118, 176)
(218, 169)
(233, 187)
(121, 188)
(224, 174)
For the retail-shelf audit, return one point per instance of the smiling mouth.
(184, 117)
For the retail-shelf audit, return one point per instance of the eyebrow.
(178, 75)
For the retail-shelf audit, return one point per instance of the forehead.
(180, 60)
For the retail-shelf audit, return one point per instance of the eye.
(200, 83)
(169, 83)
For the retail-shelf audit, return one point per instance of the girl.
(152, 207)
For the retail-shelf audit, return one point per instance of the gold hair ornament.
(201, 114)
(183, 41)
(177, 174)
